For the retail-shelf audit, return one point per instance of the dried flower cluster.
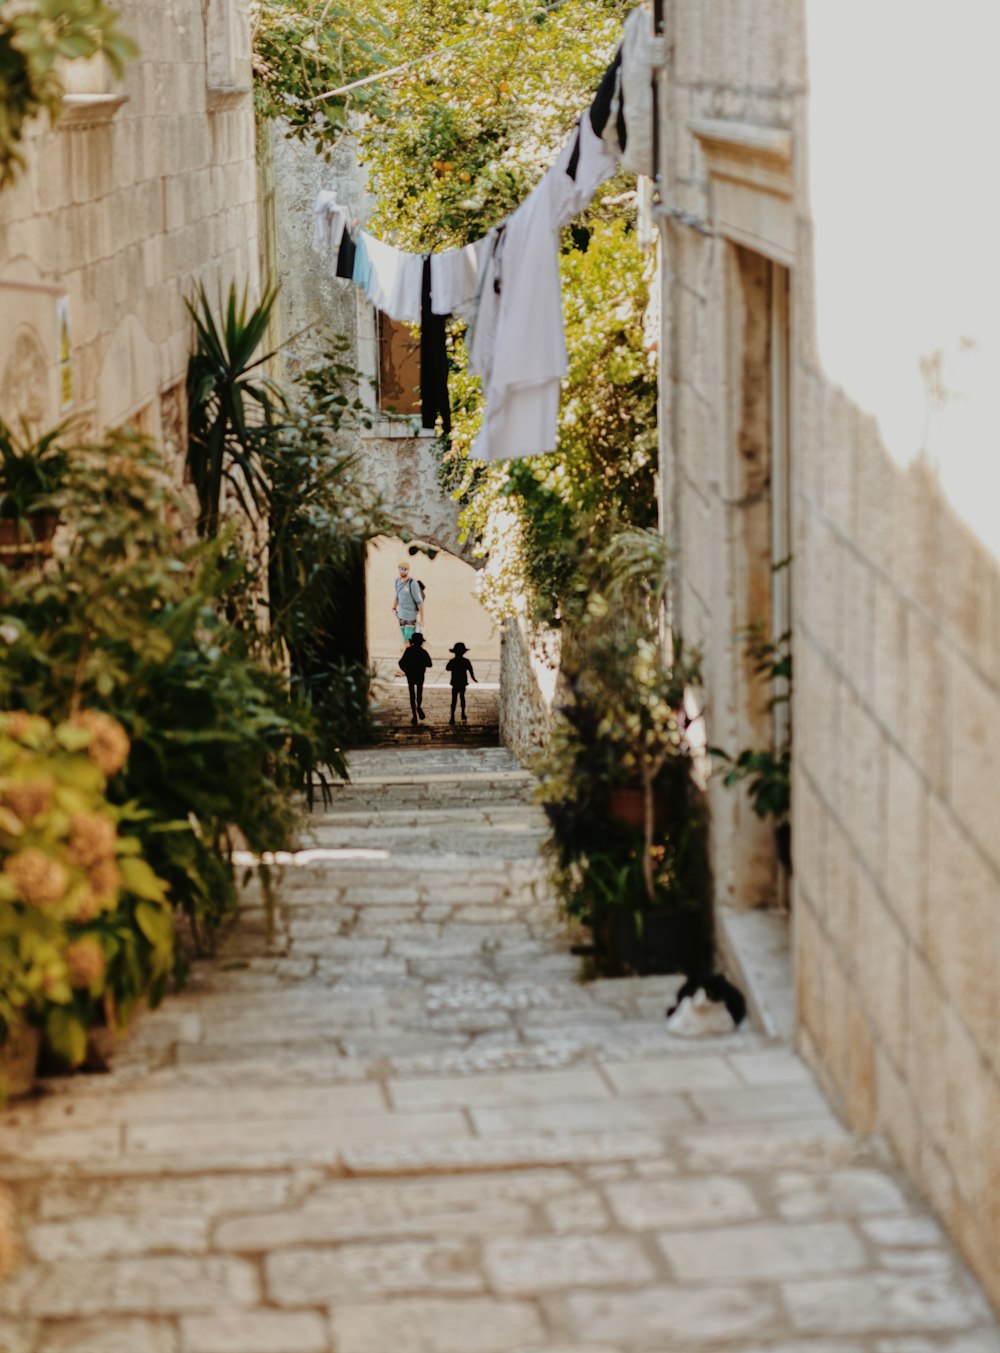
(39, 879)
(109, 744)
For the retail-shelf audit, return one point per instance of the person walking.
(461, 669)
(413, 664)
(409, 603)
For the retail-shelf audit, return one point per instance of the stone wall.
(898, 870)
(896, 624)
(144, 190)
(529, 676)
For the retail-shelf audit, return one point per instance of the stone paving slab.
(400, 1123)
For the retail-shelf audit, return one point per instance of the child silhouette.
(461, 669)
(413, 664)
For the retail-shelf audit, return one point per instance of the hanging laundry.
(434, 397)
(361, 276)
(607, 113)
(622, 111)
(518, 344)
(329, 226)
(394, 278)
(455, 277)
(346, 257)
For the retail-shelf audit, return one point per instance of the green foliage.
(34, 37)
(231, 404)
(541, 520)
(767, 772)
(85, 926)
(304, 48)
(624, 729)
(472, 129)
(128, 619)
(308, 507)
(31, 470)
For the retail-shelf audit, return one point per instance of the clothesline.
(417, 61)
(507, 285)
(386, 74)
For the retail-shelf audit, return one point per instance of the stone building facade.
(792, 501)
(144, 189)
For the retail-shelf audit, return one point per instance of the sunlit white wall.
(903, 147)
(452, 612)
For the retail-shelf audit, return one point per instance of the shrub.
(85, 927)
(132, 621)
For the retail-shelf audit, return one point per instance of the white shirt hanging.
(518, 344)
(455, 278)
(394, 280)
(642, 54)
(329, 225)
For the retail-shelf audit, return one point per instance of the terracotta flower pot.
(628, 806)
(19, 1060)
(21, 543)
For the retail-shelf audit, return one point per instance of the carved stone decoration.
(24, 389)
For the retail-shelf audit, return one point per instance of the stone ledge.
(89, 110)
(756, 950)
(771, 142)
(404, 428)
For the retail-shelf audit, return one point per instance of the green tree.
(303, 49)
(35, 37)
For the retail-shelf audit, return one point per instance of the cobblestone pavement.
(401, 1125)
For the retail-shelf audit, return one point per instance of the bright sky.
(904, 140)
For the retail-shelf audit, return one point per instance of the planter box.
(662, 941)
(23, 543)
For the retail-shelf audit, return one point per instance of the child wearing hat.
(461, 669)
(413, 664)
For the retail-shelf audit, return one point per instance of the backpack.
(423, 589)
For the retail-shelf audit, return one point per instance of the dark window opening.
(398, 367)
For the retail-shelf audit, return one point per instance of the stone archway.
(404, 470)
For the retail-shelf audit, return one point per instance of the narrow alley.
(401, 1123)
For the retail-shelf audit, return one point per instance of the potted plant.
(31, 473)
(629, 826)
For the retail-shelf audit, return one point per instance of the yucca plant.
(31, 471)
(232, 405)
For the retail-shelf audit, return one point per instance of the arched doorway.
(453, 613)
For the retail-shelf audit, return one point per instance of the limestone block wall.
(143, 190)
(896, 635)
(898, 872)
(529, 678)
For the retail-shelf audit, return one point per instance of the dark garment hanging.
(434, 398)
(600, 109)
(574, 156)
(345, 258)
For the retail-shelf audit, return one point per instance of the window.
(398, 367)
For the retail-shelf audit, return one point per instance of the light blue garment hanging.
(362, 263)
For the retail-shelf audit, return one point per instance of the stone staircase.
(393, 720)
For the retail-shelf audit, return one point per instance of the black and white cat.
(706, 1004)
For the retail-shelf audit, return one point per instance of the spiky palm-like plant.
(232, 405)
